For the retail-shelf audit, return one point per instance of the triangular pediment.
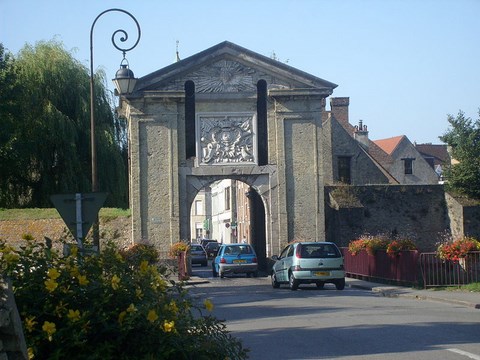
(229, 68)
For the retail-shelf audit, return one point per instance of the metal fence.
(401, 268)
(411, 267)
(438, 272)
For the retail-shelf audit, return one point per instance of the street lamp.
(124, 82)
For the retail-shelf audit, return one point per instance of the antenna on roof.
(178, 56)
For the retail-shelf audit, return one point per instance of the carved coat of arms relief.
(226, 139)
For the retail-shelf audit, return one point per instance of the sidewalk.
(463, 298)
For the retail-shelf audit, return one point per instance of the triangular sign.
(79, 211)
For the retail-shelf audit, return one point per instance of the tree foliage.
(45, 129)
(463, 138)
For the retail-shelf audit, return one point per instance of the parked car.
(198, 255)
(212, 249)
(204, 242)
(235, 259)
(309, 262)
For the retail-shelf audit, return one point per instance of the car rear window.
(196, 248)
(235, 250)
(319, 251)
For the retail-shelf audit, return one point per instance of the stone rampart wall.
(415, 211)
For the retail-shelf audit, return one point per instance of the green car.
(308, 263)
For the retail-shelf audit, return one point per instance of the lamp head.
(124, 79)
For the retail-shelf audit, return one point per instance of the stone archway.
(260, 184)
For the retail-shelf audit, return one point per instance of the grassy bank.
(52, 213)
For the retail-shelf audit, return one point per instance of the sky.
(405, 64)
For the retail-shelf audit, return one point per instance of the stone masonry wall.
(417, 212)
(464, 216)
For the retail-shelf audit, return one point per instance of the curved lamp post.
(124, 83)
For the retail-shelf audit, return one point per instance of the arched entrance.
(243, 219)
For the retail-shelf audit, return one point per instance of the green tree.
(463, 137)
(47, 141)
(8, 110)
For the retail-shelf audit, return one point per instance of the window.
(344, 169)
(198, 207)
(198, 230)
(408, 166)
(227, 198)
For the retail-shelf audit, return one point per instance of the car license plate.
(321, 273)
(239, 261)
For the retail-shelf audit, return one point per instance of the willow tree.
(50, 136)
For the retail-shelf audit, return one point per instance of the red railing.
(438, 272)
(401, 268)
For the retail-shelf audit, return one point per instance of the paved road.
(331, 324)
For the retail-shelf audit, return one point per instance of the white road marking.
(464, 353)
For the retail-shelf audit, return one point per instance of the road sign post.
(79, 211)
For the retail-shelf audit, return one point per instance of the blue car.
(235, 259)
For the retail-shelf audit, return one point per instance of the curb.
(395, 293)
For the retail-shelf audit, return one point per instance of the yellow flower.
(53, 274)
(51, 285)
(49, 328)
(168, 326)
(74, 271)
(31, 354)
(143, 266)
(60, 309)
(208, 304)
(173, 307)
(131, 308)
(82, 280)
(115, 282)
(139, 293)
(121, 317)
(152, 316)
(73, 315)
(74, 251)
(30, 323)
(158, 283)
(11, 257)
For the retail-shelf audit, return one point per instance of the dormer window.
(408, 165)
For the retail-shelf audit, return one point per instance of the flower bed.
(455, 250)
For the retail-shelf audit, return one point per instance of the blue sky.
(405, 64)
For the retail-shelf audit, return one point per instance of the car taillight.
(298, 251)
(254, 260)
(297, 268)
(223, 261)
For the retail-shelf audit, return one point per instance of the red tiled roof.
(390, 144)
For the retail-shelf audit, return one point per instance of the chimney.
(339, 109)
(361, 134)
(325, 113)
